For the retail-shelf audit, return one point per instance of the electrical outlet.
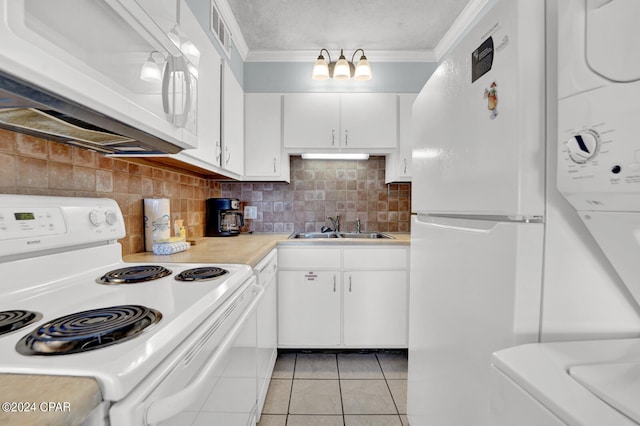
(250, 212)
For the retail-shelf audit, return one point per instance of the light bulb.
(363, 69)
(342, 71)
(320, 69)
(150, 70)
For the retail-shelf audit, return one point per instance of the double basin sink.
(359, 235)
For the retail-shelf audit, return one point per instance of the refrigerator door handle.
(457, 223)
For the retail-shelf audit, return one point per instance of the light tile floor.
(343, 389)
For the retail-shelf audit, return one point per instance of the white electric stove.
(69, 305)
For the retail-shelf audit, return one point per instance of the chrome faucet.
(358, 225)
(335, 222)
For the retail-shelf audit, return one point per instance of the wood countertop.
(78, 396)
(249, 249)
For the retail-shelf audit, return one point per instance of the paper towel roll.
(157, 221)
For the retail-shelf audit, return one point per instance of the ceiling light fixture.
(183, 42)
(335, 156)
(150, 70)
(341, 69)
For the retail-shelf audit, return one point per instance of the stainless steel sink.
(314, 235)
(363, 235)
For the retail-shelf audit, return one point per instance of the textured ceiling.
(384, 25)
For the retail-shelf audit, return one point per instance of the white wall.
(389, 77)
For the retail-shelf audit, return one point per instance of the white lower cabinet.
(348, 296)
(309, 308)
(375, 308)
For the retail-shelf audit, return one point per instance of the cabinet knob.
(346, 137)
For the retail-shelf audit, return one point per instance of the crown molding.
(462, 23)
(311, 55)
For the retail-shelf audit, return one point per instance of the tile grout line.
(386, 382)
(293, 377)
(344, 420)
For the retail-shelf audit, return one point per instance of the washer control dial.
(96, 218)
(111, 217)
(583, 146)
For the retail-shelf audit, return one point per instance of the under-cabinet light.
(335, 156)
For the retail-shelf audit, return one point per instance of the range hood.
(35, 111)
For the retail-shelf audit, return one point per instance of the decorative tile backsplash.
(351, 189)
(321, 188)
(35, 166)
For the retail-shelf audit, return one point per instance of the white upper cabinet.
(363, 122)
(311, 120)
(264, 158)
(92, 52)
(232, 122)
(398, 164)
(369, 121)
(208, 154)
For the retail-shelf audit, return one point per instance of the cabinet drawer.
(314, 258)
(375, 258)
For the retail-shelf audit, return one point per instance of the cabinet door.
(398, 164)
(262, 137)
(309, 308)
(232, 122)
(311, 120)
(369, 121)
(375, 308)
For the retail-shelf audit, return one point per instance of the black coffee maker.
(224, 218)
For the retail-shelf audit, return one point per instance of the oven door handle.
(171, 405)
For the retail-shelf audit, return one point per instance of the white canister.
(157, 221)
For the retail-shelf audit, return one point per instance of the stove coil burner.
(88, 330)
(16, 319)
(201, 274)
(134, 274)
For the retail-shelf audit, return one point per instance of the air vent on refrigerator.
(219, 28)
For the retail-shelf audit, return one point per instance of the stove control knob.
(583, 146)
(111, 217)
(95, 218)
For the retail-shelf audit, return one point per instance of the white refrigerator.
(479, 197)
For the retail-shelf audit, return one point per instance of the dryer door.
(613, 39)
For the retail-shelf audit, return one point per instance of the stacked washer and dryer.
(589, 382)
